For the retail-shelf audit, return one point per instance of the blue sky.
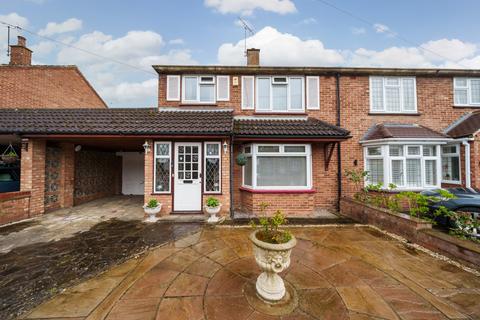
(440, 33)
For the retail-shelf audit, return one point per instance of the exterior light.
(146, 146)
(225, 147)
(78, 148)
(25, 144)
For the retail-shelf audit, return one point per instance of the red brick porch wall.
(14, 206)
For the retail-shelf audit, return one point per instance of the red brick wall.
(46, 87)
(96, 175)
(14, 206)
(32, 177)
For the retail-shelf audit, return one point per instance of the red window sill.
(277, 191)
(280, 113)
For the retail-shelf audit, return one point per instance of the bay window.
(277, 167)
(162, 167)
(451, 163)
(407, 166)
(466, 91)
(393, 95)
(280, 94)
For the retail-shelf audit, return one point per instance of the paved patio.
(345, 272)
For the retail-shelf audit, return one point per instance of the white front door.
(188, 177)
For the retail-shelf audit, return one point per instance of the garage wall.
(98, 174)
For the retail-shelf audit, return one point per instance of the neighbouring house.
(253, 134)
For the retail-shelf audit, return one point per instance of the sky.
(128, 37)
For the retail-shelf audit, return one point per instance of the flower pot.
(212, 211)
(152, 212)
(9, 159)
(272, 259)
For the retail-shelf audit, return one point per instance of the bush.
(212, 202)
(153, 203)
(270, 227)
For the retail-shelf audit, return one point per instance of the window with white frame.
(406, 166)
(466, 91)
(162, 167)
(280, 94)
(393, 95)
(212, 167)
(278, 166)
(198, 89)
(451, 163)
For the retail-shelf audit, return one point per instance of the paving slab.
(203, 277)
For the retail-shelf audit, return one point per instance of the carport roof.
(138, 121)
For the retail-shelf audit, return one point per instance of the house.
(258, 134)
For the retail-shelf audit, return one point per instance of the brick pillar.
(67, 183)
(148, 172)
(32, 175)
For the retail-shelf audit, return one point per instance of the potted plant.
(213, 206)
(151, 209)
(10, 157)
(272, 247)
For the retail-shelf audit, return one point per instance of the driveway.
(41, 257)
(349, 272)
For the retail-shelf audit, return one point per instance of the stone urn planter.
(152, 209)
(272, 259)
(213, 211)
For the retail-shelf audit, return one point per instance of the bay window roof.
(384, 131)
(468, 124)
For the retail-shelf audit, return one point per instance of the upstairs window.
(467, 91)
(280, 94)
(198, 89)
(393, 95)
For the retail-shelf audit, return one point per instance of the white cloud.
(246, 7)
(131, 94)
(178, 41)
(43, 48)
(121, 85)
(453, 49)
(53, 28)
(358, 31)
(380, 28)
(280, 49)
(308, 21)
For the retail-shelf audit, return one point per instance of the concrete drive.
(346, 272)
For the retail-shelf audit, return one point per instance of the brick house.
(253, 134)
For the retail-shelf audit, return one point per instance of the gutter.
(339, 150)
(232, 211)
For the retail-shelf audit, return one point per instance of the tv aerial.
(247, 30)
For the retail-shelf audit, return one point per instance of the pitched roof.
(287, 128)
(116, 121)
(400, 130)
(466, 125)
(42, 86)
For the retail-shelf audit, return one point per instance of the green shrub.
(153, 203)
(212, 202)
(270, 227)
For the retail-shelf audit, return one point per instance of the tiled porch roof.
(397, 130)
(145, 121)
(465, 126)
(287, 128)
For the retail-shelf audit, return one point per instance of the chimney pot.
(20, 55)
(253, 57)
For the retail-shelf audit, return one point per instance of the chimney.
(253, 57)
(20, 55)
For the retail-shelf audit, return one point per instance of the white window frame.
(367, 157)
(255, 153)
(287, 84)
(452, 155)
(243, 106)
(155, 157)
(228, 88)
(469, 92)
(199, 84)
(402, 107)
(219, 156)
(387, 163)
(176, 78)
